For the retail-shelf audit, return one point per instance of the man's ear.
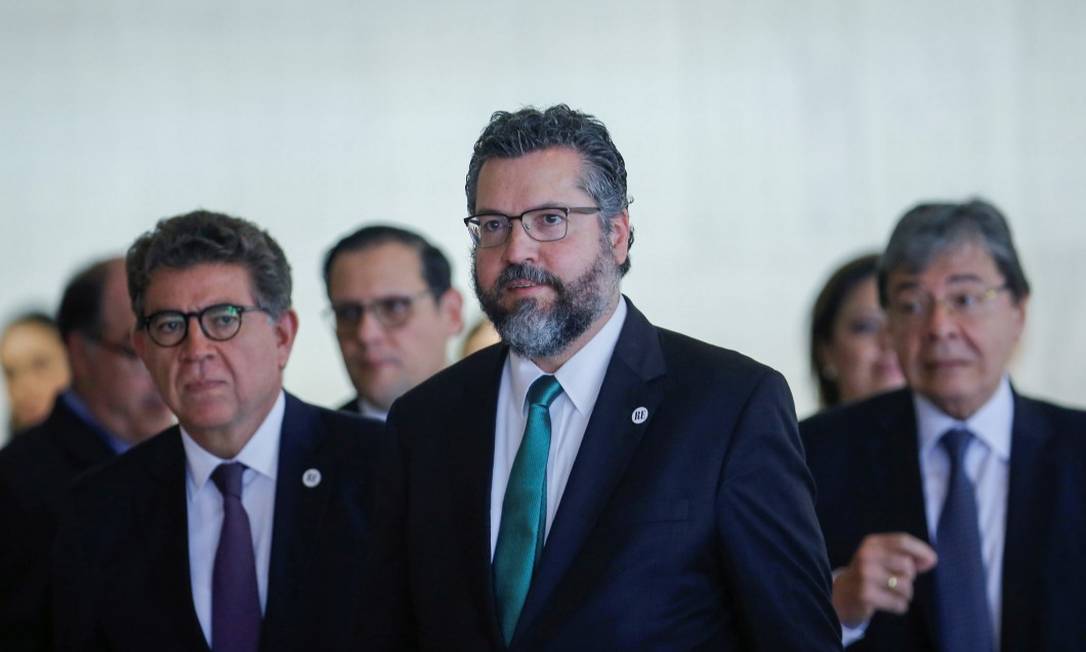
(1020, 315)
(450, 306)
(286, 329)
(76, 344)
(620, 236)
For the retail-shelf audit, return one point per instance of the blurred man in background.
(112, 404)
(395, 310)
(952, 509)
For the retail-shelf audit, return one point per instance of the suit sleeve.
(774, 557)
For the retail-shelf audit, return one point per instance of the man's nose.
(369, 328)
(519, 247)
(941, 322)
(196, 345)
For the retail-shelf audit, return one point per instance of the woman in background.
(35, 365)
(850, 352)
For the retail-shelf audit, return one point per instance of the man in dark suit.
(245, 527)
(111, 405)
(395, 310)
(597, 483)
(953, 509)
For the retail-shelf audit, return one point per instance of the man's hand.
(880, 577)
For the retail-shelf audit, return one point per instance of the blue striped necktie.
(524, 510)
(961, 596)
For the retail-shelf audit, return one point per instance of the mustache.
(525, 272)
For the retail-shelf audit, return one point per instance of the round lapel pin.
(311, 478)
(640, 415)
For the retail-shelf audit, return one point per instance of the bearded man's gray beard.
(536, 332)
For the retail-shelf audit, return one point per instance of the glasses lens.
(221, 322)
(347, 315)
(492, 230)
(546, 224)
(167, 328)
(393, 311)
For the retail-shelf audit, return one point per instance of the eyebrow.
(954, 279)
(549, 204)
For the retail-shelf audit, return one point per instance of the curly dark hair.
(205, 237)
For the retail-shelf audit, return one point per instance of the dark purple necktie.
(235, 601)
(961, 598)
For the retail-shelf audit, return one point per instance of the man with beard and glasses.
(595, 483)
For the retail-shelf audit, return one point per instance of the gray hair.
(202, 237)
(510, 135)
(928, 230)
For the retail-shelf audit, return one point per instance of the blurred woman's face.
(35, 371)
(859, 356)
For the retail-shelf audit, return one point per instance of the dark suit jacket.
(693, 530)
(36, 470)
(866, 466)
(121, 568)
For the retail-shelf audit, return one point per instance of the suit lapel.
(299, 510)
(1029, 515)
(164, 519)
(609, 442)
(896, 455)
(470, 452)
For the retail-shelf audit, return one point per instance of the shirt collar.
(367, 409)
(991, 424)
(260, 453)
(76, 405)
(582, 375)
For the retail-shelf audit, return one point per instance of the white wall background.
(765, 141)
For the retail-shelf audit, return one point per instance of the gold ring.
(892, 582)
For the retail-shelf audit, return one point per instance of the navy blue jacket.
(866, 465)
(121, 565)
(692, 530)
(36, 469)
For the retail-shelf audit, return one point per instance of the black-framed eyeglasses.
(915, 305)
(219, 322)
(544, 224)
(116, 348)
(391, 311)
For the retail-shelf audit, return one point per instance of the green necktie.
(524, 511)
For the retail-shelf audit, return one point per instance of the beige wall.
(765, 141)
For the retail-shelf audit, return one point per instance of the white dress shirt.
(367, 409)
(581, 378)
(987, 463)
(205, 513)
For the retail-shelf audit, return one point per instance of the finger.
(900, 585)
(923, 554)
(877, 595)
(903, 566)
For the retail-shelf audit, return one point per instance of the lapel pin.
(311, 478)
(639, 415)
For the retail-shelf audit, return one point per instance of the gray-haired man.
(953, 508)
